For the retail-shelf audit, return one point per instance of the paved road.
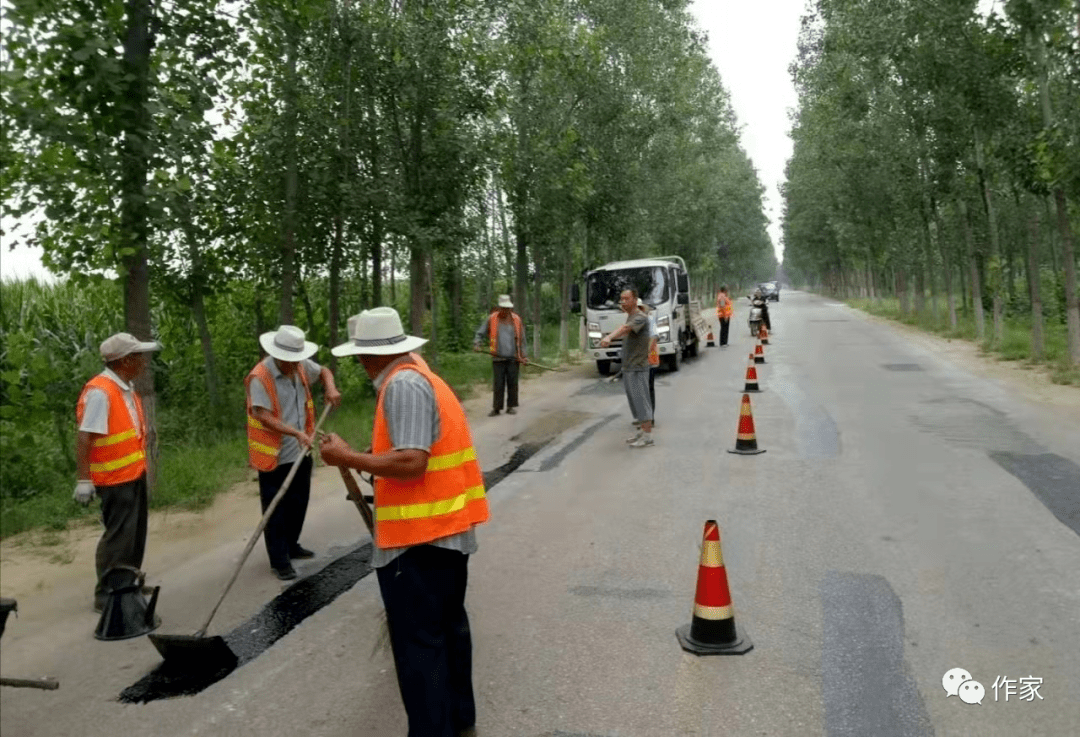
(907, 518)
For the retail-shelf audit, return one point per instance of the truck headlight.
(594, 330)
(663, 335)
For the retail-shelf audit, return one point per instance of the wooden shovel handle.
(357, 498)
(262, 524)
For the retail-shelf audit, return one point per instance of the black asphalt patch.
(901, 367)
(557, 458)
(866, 685)
(840, 319)
(1055, 481)
(282, 614)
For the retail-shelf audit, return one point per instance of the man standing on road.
(281, 420)
(429, 496)
(505, 337)
(111, 455)
(635, 365)
(723, 313)
(654, 355)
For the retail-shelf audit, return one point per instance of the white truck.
(663, 283)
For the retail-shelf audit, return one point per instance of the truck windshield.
(604, 287)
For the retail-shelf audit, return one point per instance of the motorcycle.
(755, 319)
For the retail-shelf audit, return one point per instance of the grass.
(1016, 336)
(195, 468)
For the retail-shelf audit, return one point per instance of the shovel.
(212, 652)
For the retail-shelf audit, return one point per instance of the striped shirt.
(412, 420)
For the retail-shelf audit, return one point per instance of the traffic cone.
(712, 629)
(745, 440)
(759, 353)
(751, 377)
(764, 334)
(709, 339)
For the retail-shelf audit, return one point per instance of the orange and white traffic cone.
(751, 378)
(759, 353)
(764, 335)
(712, 629)
(709, 339)
(746, 440)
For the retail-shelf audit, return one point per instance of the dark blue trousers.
(423, 591)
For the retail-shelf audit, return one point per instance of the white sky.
(751, 45)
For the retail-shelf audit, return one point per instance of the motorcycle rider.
(759, 301)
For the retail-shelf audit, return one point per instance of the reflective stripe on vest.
(493, 333)
(120, 456)
(723, 306)
(264, 444)
(449, 498)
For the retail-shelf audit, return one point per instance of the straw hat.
(287, 344)
(377, 332)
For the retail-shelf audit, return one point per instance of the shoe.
(99, 607)
(301, 553)
(467, 732)
(643, 442)
(288, 573)
(512, 411)
(635, 438)
(636, 423)
(493, 413)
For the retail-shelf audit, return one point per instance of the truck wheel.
(604, 367)
(692, 349)
(673, 360)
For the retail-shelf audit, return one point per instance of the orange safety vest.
(264, 444)
(120, 456)
(449, 498)
(493, 333)
(723, 306)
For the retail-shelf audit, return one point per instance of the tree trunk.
(393, 272)
(134, 216)
(1038, 344)
(537, 311)
(288, 246)
(973, 266)
(433, 344)
(335, 285)
(994, 270)
(417, 286)
(1072, 307)
(937, 243)
(455, 301)
(376, 211)
(564, 308)
(507, 255)
(521, 268)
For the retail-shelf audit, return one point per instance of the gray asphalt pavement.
(906, 519)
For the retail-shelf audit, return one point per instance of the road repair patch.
(1055, 481)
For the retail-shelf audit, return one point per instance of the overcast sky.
(751, 45)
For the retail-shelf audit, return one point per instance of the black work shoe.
(493, 413)
(512, 411)
(301, 553)
(288, 573)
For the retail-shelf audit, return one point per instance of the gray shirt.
(635, 347)
(96, 407)
(292, 398)
(412, 420)
(505, 338)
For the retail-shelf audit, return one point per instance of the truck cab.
(661, 282)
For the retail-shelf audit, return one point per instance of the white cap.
(117, 346)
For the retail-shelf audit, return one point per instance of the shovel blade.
(194, 652)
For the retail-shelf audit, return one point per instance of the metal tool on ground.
(746, 439)
(212, 653)
(7, 606)
(712, 629)
(126, 613)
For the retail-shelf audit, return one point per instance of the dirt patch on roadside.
(1031, 381)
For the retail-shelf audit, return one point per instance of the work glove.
(84, 492)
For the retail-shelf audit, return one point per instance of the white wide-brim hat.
(287, 344)
(377, 332)
(504, 301)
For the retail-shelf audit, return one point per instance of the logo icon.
(972, 692)
(952, 679)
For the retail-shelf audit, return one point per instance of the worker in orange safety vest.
(505, 336)
(111, 455)
(723, 313)
(429, 497)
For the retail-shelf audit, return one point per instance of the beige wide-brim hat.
(117, 346)
(377, 332)
(287, 344)
(504, 302)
